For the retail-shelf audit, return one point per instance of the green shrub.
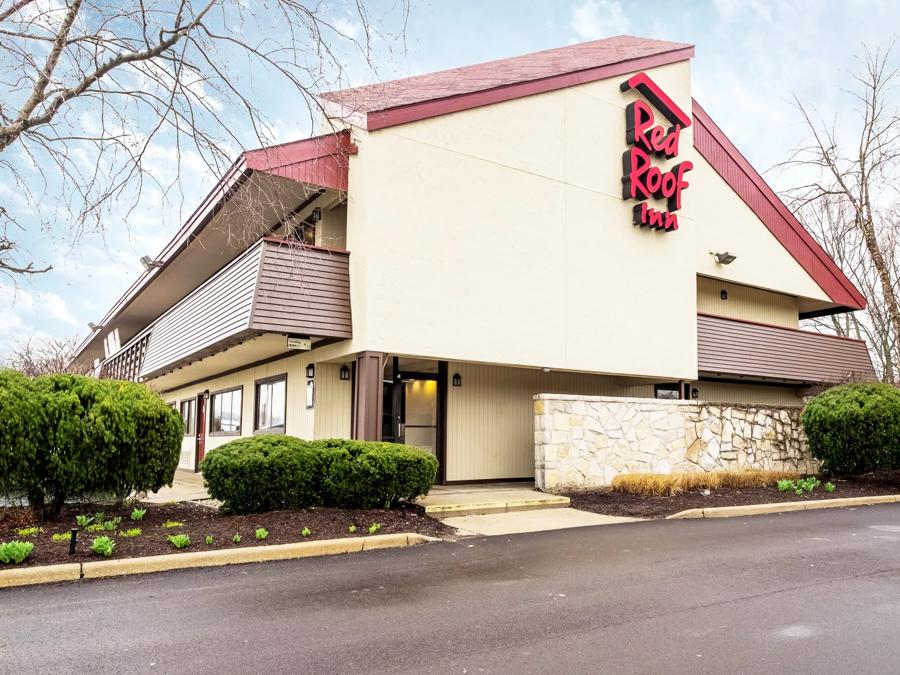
(70, 435)
(855, 428)
(261, 533)
(103, 546)
(265, 473)
(15, 551)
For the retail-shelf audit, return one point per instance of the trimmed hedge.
(264, 473)
(69, 435)
(855, 428)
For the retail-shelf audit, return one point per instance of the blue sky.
(751, 58)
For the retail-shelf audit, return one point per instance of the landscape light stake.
(72, 538)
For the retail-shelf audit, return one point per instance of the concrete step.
(447, 506)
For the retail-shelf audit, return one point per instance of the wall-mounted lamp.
(310, 371)
(545, 369)
(724, 258)
(316, 215)
(206, 395)
(149, 263)
(345, 373)
(723, 294)
(94, 326)
(695, 393)
(457, 380)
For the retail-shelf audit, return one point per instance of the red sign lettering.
(641, 179)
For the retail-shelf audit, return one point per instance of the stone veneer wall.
(586, 441)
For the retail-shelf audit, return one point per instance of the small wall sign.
(642, 179)
(299, 343)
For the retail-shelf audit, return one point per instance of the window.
(271, 403)
(667, 391)
(189, 416)
(225, 417)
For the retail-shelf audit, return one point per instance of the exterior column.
(368, 396)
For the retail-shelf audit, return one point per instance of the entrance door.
(419, 414)
(200, 427)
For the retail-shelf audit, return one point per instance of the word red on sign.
(641, 179)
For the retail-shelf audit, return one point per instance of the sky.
(752, 58)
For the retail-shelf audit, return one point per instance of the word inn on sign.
(642, 179)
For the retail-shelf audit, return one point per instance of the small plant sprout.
(352, 529)
(169, 524)
(110, 525)
(84, 520)
(786, 485)
(15, 552)
(99, 517)
(209, 540)
(236, 539)
(61, 536)
(103, 546)
(261, 533)
(29, 531)
(95, 527)
(179, 540)
(828, 487)
(305, 532)
(131, 532)
(138, 514)
(374, 527)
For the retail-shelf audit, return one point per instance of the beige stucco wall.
(330, 417)
(499, 235)
(745, 302)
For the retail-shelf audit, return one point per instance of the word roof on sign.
(642, 179)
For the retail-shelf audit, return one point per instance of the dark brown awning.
(743, 349)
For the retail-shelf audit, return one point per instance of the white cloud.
(730, 11)
(42, 304)
(348, 27)
(596, 19)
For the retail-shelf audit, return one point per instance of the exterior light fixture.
(724, 258)
(457, 380)
(723, 294)
(149, 263)
(695, 393)
(545, 369)
(345, 373)
(310, 371)
(94, 326)
(316, 215)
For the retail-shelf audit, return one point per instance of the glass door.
(419, 419)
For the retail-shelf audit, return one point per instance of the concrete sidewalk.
(187, 487)
(531, 521)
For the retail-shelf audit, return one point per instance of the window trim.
(228, 390)
(268, 380)
(192, 409)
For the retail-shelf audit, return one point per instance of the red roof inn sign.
(642, 179)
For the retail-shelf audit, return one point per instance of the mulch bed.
(199, 521)
(642, 506)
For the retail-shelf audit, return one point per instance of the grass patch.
(668, 484)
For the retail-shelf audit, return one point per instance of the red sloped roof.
(733, 167)
(399, 101)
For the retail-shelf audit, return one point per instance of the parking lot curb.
(782, 507)
(99, 569)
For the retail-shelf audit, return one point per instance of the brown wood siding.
(730, 347)
(303, 290)
(218, 309)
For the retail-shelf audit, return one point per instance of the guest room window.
(225, 416)
(271, 403)
(189, 416)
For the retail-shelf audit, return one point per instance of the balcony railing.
(276, 286)
(743, 349)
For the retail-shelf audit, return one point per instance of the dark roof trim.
(414, 112)
(712, 144)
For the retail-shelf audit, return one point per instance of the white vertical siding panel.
(747, 303)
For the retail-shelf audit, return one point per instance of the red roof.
(484, 83)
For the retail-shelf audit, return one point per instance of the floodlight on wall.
(545, 369)
(149, 263)
(724, 258)
(94, 326)
(310, 371)
(457, 380)
(345, 373)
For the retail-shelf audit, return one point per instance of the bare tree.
(43, 357)
(88, 86)
(850, 203)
